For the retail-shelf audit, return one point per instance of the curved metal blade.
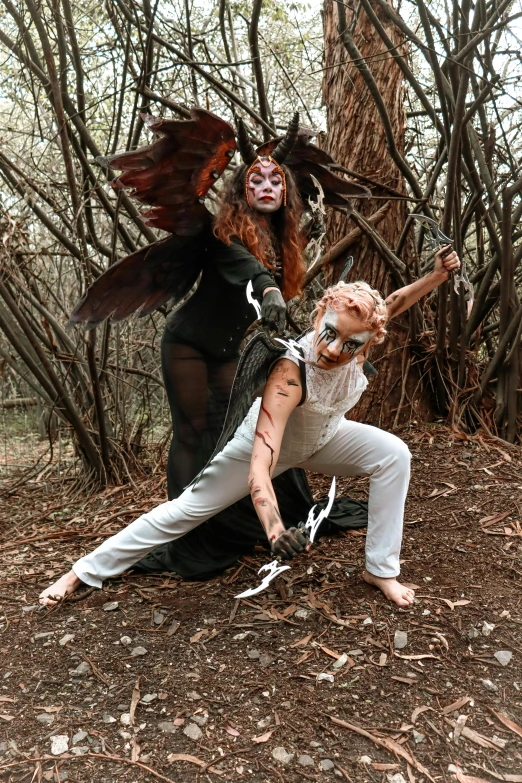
(312, 524)
(274, 568)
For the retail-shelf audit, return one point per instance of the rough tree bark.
(356, 139)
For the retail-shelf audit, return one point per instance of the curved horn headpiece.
(286, 145)
(245, 146)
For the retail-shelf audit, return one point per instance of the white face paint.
(338, 338)
(265, 188)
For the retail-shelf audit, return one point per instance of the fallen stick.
(385, 742)
(118, 760)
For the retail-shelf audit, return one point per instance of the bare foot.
(65, 585)
(392, 589)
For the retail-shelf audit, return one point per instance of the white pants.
(356, 450)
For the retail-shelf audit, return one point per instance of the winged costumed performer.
(298, 422)
(254, 237)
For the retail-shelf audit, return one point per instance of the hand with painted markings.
(289, 543)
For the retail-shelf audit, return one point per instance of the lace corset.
(329, 395)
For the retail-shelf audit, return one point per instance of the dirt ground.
(318, 678)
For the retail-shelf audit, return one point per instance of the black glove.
(289, 543)
(273, 310)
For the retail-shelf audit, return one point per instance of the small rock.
(59, 744)
(339, 663)
(325, 677)
(159, 617)
(43, 635)
(167, 726)
(45, 719)
(286, 705)
(193, 696)
(78, 750)
(125, 640)
(30, 608)
(79, 736)
(240, 636)
(454, 769)
(355, 653)
(82, 669)
(426, 612)
(63, 776)
(193, 732)
(503, 657)
(365, 760)
(125, 718)
(265, 660)
(418, 737)
(368, 621)
(149, 697)
(489, 685)
(254, 655)
(110, 606)
(280, 754)
(400, 640)
(200, 719)
(487, 628)
(473, 633)
(138, 651)
(397, 778)
(302, 614)
(326, 764)
(65, 639)
(106, 718)
(264, 723)
(305, 761)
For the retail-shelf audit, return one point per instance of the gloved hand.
(289, 543)
(273, 310)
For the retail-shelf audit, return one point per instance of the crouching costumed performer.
(299, 421)
(253, 240)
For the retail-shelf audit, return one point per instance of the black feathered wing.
(140, 283)
(307, 159)
(172, 175)
(252, 373)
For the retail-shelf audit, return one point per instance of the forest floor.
(318, 678)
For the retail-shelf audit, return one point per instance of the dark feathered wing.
(252, 373)
(172, 175)
(177, 170)
(307, 159)
(143, 281)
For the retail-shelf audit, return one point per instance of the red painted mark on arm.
(267, 413)
(262, 437)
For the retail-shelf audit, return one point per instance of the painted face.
(338, 338)
(265, 188)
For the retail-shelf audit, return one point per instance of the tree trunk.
(357, 141)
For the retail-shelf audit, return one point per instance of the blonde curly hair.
(360, 300)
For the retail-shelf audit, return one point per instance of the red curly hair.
(360, 300)
(278, 237)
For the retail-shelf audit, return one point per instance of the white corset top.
(329, 395)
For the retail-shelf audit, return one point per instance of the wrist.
(270, 288)
(275, 532)
(439, 276)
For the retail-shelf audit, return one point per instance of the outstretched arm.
(404, 298)
(282, 394)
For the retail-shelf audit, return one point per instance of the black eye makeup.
(329, 334)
